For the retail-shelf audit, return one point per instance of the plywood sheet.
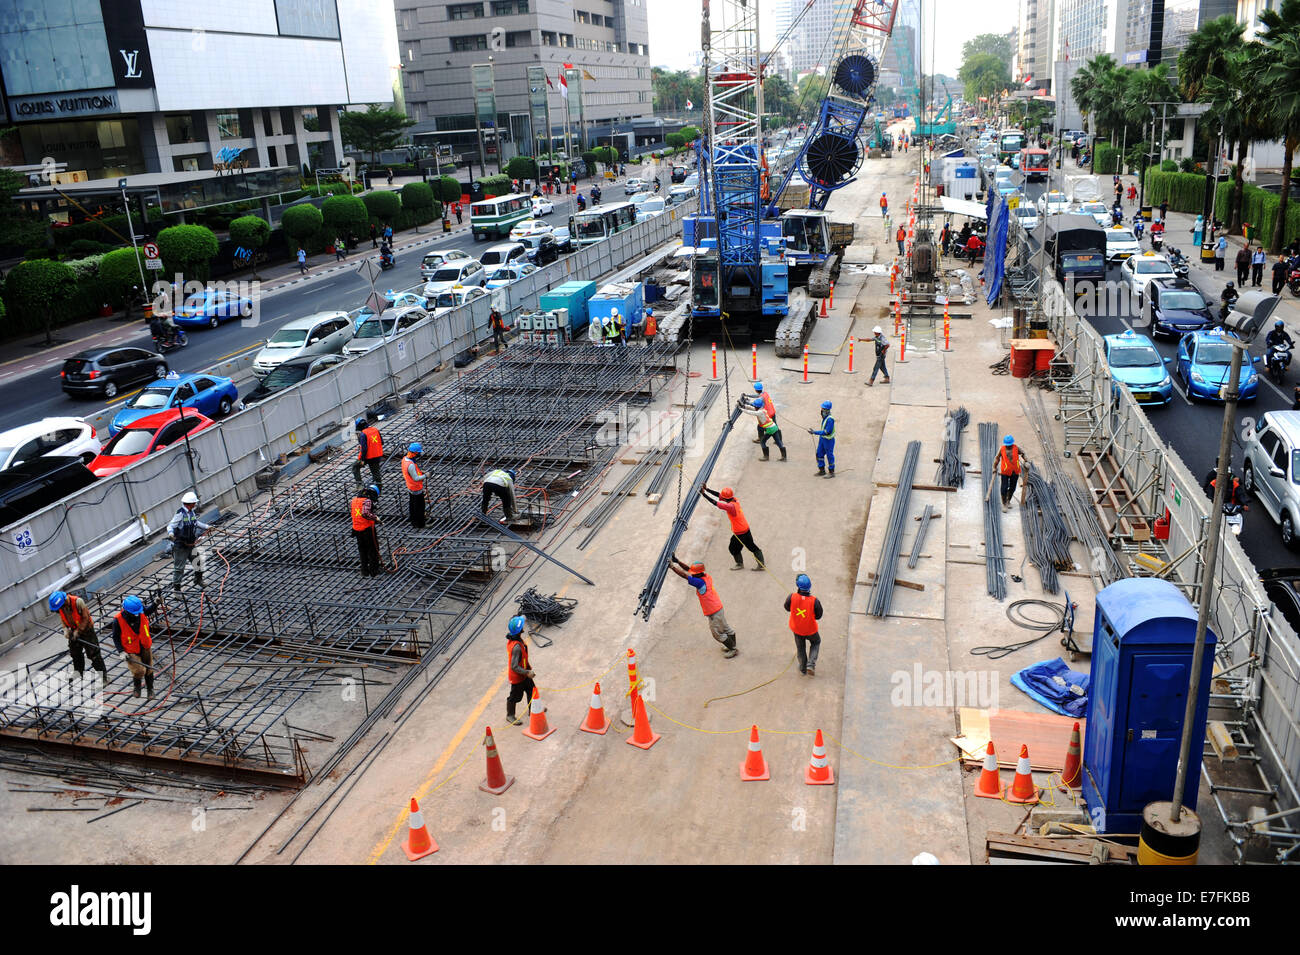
(1046, 734)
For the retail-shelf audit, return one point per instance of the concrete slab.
(920, 380)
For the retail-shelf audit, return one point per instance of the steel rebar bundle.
(952, 473)
(1047, 540)
(995, 563)
(882, 590)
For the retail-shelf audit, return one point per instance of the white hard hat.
(877, 331)
(190, 498)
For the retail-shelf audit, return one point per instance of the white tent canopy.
(963, 207)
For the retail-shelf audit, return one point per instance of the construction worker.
(882, 350)
(518, 671)
(900, 237)
(767, 427)
(1009, 461)
(498, 326)
(710, 603)
(414, 478)
(131, 637)
(884, 206)
(741, 536)
(364, 521)
(370, 451)
(805, 611)
(619, 327)
(502, 484)
(768, 405)
(79, 631)
(651, 326)
(825, 442)
(183, 532)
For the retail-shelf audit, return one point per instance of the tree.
(522, 167)
(19, 229)
(418, 198)
(303, 221)
(692, 133)
(188, 249)
(119, 271)
(983, 74)
(448, 189)
(342, 216)
(779, 99)
(675, 140)
(1238, 106)
(1085, 86)
(249, 233)
(374, 130)
(672, 90)
(1207, 53)
(38, 290)
(989, 44)
(589, 158)
(383, 206)
(1280, 76)
(605, 155)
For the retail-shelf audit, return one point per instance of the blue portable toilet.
(1143, 637)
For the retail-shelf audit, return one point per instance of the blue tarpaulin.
(997, 248)
(1052, 683)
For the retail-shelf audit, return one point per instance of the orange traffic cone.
(823, 314)
(537, 728)
(989, 785)
(595, 721)
(819, 772)
(497, 781)
(418, 842)
(1022, 788)
(1071, 775)
(754, 768)
(642, 736)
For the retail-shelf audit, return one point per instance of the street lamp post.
(126, 204)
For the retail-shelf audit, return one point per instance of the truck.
(1076, 247)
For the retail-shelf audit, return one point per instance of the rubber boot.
(783, 455)
(103, 678)
(821, 472)
(767, 453)
(738, 565)
(831, 475)
(137, 686)
(761, 562)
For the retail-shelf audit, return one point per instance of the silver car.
(324, 333)
(1271, 471)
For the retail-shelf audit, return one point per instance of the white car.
(505, 274)
(1027, 216)
(1121, 244)
(433, 261)
(452, 297)
(384, 328)
(62, 436)
(501, 254)
(324, 333)
(530, 227)
(469, 272)
(542, 206)
(1138, 270)
(1053, 203)
(1100, 214)
(653, 206)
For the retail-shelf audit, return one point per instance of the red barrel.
(1043, 359)
(1022, 362)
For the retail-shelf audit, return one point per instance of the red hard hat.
(727, 494)
(697, 568)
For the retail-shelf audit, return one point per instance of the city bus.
(497, 216)
(1010, 142)
(600, 222)
(1033, 164)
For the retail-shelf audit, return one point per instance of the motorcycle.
(170, 342)
(1157, 240)
(386, 260)
(1234, 515)
(1277, 360)
(595, 196)
(1293, 281)
(1178, 262)
(582, 203)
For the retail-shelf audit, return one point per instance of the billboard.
(539, 109)
(485, 94)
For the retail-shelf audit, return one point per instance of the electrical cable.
(1016, 614)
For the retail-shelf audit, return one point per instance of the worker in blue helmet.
(769, 405)
(131, 637)
(825, 442)
(499, 483)
(79, 631)
(1010, 458)
(805, 610)
(370, 452)
(768, 429)
(414, 478)
(519, 672)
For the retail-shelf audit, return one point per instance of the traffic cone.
(643, 737)
(537, 728)
(497, 781)
(819, 772)
(1022, 788)
(989, 785)
(754, 768)
(823, 314)
(418, 842)
(1072, 775)
(595, 721)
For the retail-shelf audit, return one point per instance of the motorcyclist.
(1138, 226)
(386, 253)
(582, 203)
(1229, 296)
(656, 183)
(1234, 495)
(595, 194)
(1278, 335)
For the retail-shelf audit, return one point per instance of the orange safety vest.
(414, 480)
(1009, 465)
(651, 326)
(80, 618)
(374, 445)
(803, 619)
(133, 640)
(738, 523)
(902, 234)
(710, 602)
(359, 521)
(769, 406)
(523, 660)
(883, 202)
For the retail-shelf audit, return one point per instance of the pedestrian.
(364, 528)
(805, 610)
(1243, 265)
(769, 405)
(388, 233)
(498, 326)
(1280, 269)
(884, 205)
(500, 483)
(1257, 267)
(132, 639)
(370, 452)
(184, 531)
(1009, 459)
(767, 425)
(1220, 252)
(79, 631)
(882, 350)
(651, 327)
(1119, 191)
(459, 215)
(945, 236)
(825, 442)
(340, 249)
(900, 237)
(390, 177)
(414, 478)
(302, 260)
(710, 604)
(741, 535)
(518, 670)
(1132, 193)
(1164, 209)
(374, 236)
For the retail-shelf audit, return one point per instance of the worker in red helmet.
(741, 535)
(710, 603)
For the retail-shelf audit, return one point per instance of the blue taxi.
(1203, 362)
(1135, 363)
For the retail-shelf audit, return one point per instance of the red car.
(146, 435)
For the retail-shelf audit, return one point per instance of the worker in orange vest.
(710, 604)
(741, 535)
(769, 406)
(364, 520)
(414, 478)
(805, 611)
(651, 327)
(518, 670)
(900, 236)
(79, 631)
(370, 451)
(884, 205)
(1009, 461)
(131, 637)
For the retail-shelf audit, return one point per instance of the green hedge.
(1259, 209)
(1107, 159)
(1185, 192)
(96, 231)
(498, 185)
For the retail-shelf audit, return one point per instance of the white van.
(324, 333)
(451, 274)
(501, 254)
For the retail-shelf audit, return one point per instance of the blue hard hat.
(57, 600)
(757, 403)
(416, 447)
(361, 423)
(133, 605)
(511, 473)
(1008, 441)
(758, 386)
(803, 582)
(516, 625)
(826, 406)
(374, 490)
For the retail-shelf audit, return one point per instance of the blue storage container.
(627, 297)
(1142, 642)
(574, 297)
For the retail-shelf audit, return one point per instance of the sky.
(674, 29)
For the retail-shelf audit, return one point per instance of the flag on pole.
(549, 84)
(587, 76)
(690, 105)
(564, 83)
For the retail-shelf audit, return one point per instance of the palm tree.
(1206, 54)
(1238, 105)
(1279, 72)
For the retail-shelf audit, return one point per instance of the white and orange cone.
(989, 785)
(819, 772)
(537, 728)
(595, 721)
(1022, 789)
(1071, 774)
(418, 842)
(754, 768)
(497, 781)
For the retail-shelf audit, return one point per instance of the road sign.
(150, 250)
(153, 265)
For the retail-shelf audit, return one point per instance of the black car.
(1176, 307)
(105, 371)
(289, 373)
(27, 487)
(563, 241)
(542, 248)
(680, 173)
(1280, 585)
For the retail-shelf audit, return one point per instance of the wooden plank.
(916, 487)
(901, 583)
